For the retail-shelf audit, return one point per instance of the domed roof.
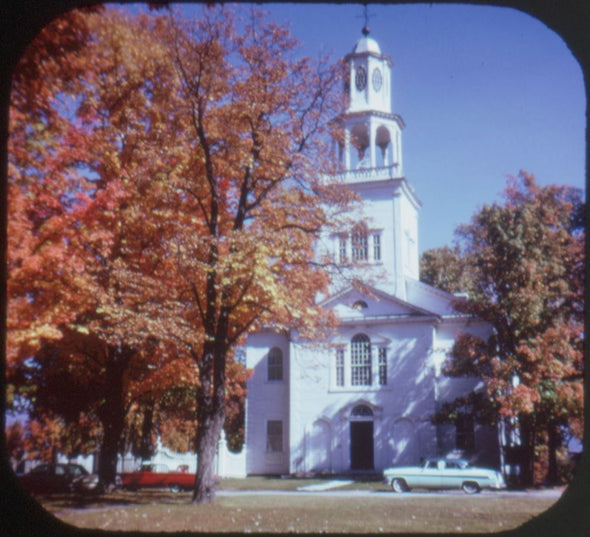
(366, 44)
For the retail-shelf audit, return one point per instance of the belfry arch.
(360, 140)
(383, 142)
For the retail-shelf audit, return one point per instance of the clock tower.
(369, 153)
(372, 131)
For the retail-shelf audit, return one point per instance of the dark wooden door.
(361, 445)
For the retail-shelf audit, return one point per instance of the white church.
(363, 400)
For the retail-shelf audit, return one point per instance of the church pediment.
(353, 304)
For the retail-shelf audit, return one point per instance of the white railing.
(362, 175)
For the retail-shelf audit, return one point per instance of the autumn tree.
(184, 215)
(42, 172)
(527, 271)
(244, 183)
(235, 412)
(81, 149)
(170, 415)
(445, 269)
(39, 175)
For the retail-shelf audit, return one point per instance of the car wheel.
(470, 487)
(174, 487)
(399, 485)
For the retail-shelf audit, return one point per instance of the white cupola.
(370, 74)
(372, 133)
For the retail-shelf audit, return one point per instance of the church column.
(373, 142)
(387, 152)
(347, 148)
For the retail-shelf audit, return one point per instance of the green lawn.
(265, 483)
(162, 511)
(292, 483)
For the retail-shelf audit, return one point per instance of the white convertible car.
(443, 474)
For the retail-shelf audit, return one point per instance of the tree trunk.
(210, 418)
(112, 415)
(146, 447)
(527, 436)
(207, 448)
(554, 441)
(54, 452)
(107, 458)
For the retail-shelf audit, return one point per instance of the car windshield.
(43, 469)
(76, 470)
(457, 464)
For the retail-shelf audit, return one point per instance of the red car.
(158, 475)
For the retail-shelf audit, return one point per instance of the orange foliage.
(165, 196)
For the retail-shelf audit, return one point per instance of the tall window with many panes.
(360, 364)
(359, 244)
(360, 360)
(364, 246)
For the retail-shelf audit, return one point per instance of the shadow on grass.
(53, 502)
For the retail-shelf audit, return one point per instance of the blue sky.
(484, 92)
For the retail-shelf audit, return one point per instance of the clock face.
(377, 79)
(361, 78)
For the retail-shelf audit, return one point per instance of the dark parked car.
(58, 477)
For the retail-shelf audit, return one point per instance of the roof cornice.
(382, 56)
(365, 114)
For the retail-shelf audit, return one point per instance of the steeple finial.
(366, 30)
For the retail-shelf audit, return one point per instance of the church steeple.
(372, 132)
(384, 240)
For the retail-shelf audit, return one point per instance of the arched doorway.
(361, 438)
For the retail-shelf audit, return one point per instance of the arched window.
(360, 360)
(361, 412)
(275, 364)
(359, 137)
(360, 305)
(359, 243)
(383, 141)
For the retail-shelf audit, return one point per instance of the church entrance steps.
(318, 487)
